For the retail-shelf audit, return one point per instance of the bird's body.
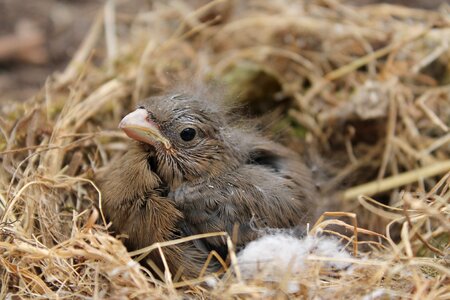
(216, 174)
(133, 199)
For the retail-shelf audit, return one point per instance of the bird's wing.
(242, 203)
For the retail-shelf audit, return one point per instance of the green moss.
(288, 126)
(2, 143)
(440, 242)
(254, 86)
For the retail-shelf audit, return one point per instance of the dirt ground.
(38, 38)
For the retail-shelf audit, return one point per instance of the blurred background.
(39, 37)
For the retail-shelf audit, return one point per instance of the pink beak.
(139, 127)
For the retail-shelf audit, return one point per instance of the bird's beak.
(139, 127)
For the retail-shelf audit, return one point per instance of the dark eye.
(188, 134)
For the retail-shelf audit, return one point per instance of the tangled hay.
(366, 86)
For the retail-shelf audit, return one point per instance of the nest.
(367, 87)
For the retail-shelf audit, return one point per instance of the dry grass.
(368, 86)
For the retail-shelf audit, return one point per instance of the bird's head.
(188, 134)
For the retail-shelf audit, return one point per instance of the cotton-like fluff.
(275, 255)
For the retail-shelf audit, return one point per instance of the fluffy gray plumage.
(224, 176)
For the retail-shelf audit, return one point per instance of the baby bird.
(220, 175)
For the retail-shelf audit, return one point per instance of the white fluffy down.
(275, 255)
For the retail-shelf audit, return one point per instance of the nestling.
(217, 175)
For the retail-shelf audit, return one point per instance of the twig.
(82, 53)
(110, 33)
(389, 183)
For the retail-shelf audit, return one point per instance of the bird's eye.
(188, 134)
